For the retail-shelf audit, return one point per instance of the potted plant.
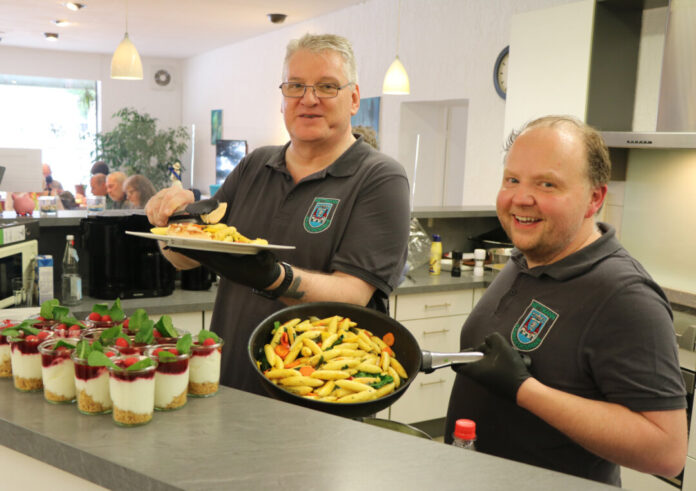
(137, 146)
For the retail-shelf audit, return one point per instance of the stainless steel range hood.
(676, 113)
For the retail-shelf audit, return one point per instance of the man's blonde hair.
(316, 43)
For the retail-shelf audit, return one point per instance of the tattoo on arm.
(293, 291)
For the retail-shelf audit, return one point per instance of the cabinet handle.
(441, 381)
(441, 331)
(445, 305)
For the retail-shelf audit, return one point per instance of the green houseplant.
(137, 146)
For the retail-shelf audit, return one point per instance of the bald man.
(114, 187)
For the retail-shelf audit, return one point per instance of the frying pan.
(405, 347)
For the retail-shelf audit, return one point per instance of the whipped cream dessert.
(132, 391)
(204, 369)
(58, 370)
(171, 378)
(92, 388)
(26, 361)
(5, 358)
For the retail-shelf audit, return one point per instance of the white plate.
(211, 245)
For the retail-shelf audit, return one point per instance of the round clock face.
(162, 77)
(500, 70)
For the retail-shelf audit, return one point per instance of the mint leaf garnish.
(144, 334)
(72, 321)
(116, 312)
(64, 344)
(100, 308)
(60, 313)
(137, 320)
(165, 356)
(47, 308)
(183, 345)
(205, 334)
(10, 332)
(83, 349)
(144, 363)
(99, 359)
(107, 337)
(166, 327)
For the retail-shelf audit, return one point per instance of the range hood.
(676, 113)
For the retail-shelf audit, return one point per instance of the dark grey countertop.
(238, 440)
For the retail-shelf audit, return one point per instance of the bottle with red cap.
(465, 434)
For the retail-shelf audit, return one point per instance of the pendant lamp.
(396, 79)
(126, 64)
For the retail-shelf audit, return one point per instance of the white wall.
(447, 46)
(165, 105)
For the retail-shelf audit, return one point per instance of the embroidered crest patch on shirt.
(320, 214)
(533, 326)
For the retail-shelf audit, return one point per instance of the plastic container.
(464, 434)
(456, 263)
(436, 255)
(71, 283)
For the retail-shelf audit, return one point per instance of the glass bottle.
(465, 434)
(71, 284)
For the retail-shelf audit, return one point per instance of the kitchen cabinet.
(435, 320)
(188, 321)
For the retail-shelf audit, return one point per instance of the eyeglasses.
(321, 91)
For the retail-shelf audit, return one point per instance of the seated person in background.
(369, 135)
(114, 187)
(99, 167)
(68, 200)
(97, 185)
(51, 186)
(139, 190)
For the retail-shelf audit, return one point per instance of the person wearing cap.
(341, 203)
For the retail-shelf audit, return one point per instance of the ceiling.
(158, 28)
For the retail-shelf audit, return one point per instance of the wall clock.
(500, 71)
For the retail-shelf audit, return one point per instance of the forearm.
(652, 442)
(310, 286)
(179, 261)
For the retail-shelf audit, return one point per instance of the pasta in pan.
(331, 360)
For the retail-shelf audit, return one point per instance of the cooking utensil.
(406, 347)
(198, 212)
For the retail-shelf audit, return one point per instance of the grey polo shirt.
(595, 325)
(352, 216)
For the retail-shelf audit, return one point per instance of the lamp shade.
(126, 64)
(396, 79)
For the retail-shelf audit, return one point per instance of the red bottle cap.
(465, 429)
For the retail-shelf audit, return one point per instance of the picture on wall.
(215, 125)
(367, 117)
(228, 153)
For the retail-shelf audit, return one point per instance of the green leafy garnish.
(47, 308)
(144, 334)
(166, 327)
(264, 365)
(72, 321)
(138, 320)
(25, 327)
(205, 334)
(83, 349)
(165, 356)
(108, 336)
(63, 344)
(99, 359)
(60, 313)
(183, 345)
(10, 332)
(116, 311)
(144, 363)
(383, 380)
(100, 308)
(276, 325)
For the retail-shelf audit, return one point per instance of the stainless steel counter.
(238, 440)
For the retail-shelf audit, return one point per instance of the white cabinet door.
(188, 321)
(428, 395)
(438, 304)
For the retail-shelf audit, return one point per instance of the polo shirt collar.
(577, 263)
(345, 165)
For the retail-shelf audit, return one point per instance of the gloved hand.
(255, 270)
(502, 369)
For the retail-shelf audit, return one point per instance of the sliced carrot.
(282, 350)
(388, 350)
(306, 371)
(388, 339)
(293, 364)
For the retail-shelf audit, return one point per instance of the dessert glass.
(5, 357)
(171, 378)
(92, 386)
(204, 369)
(58, 371)
(26, 361)
(132, 393)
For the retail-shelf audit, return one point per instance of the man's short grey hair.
(316, 43)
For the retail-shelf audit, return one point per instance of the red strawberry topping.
(94, 316)
(74, 327)
(32, 339)
(106, 318)
(156, 333)
(121, 342)
(131, 360)
(126, 323)
(60, 327)
(208, 342)
(110, 354)
(173, 351)
(42, 335)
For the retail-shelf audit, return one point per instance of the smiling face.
(309, 119)
(546, 203)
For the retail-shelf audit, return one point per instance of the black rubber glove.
(502, 369)
(255, 270)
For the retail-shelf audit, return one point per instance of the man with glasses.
(341, 203)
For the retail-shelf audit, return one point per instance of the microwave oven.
(16, 261)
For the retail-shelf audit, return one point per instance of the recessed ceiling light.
(60, 22)
(75, 6)
(51, 36)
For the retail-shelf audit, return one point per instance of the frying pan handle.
(433, 360)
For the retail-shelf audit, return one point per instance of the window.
(58, 116)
